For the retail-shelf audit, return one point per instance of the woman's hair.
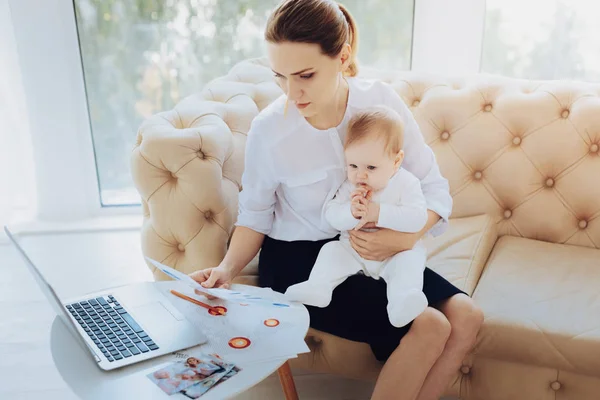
(377, 122)
(322, 22)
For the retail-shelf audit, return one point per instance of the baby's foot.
(310, 294)
(405, 307)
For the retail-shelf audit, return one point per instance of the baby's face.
(369, 164)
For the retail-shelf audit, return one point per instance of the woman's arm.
(256, 204)
(244, 245)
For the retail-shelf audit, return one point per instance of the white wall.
(49, 59)
(17, 189)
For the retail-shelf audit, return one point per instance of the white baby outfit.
(402, 207)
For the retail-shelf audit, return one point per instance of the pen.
(198, 302)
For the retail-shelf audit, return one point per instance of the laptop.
(121, 326)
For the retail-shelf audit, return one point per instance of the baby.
(377, 190)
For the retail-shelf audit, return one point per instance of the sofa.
(523, 162)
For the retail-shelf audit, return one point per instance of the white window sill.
(93, 224)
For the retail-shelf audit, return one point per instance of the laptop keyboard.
(112, 328)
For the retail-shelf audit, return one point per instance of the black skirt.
(358, 309)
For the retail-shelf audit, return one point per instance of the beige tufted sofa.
(523, 162)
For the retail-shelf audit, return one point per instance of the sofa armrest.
(187, 166)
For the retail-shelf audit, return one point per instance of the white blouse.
(293, 169)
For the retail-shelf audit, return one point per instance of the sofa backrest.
(525, 152)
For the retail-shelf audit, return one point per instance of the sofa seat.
(492, 379)
(542, 305)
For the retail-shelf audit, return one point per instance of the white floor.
(27, 370)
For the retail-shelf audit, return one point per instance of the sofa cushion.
(505, 380)
(542, 305)
(461, 252)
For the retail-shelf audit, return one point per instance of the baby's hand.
(371, 215)
(361, 191)
(359, 207)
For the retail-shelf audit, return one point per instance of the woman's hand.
(384, 243)
(381, 244)
(219, 277)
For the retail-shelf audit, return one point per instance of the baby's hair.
(377, 122)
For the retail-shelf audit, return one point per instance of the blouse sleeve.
(420, 160)
(257, 198)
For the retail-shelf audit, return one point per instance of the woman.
(294, 164)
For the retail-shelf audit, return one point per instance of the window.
(542, 39)
(142, 57)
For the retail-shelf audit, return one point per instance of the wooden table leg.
(287, 382)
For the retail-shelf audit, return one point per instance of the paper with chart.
(247, 332)
(258, 324)
(262, 297)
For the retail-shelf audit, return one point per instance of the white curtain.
(17, 189)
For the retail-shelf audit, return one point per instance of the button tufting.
(555, 385)
(445, 135)
(487, 108)
(583, 224)
(507, 214)
(594, 148)
(180, 247)
(173, 175)
(314, 341)
(565, 114)
(201, 155)
(208, 215)
(477, 175)
(465, 369)
(516, 140)
(549, 182)
(416, 103)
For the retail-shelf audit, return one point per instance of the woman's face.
(308, 77)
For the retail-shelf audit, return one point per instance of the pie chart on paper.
(239, 342)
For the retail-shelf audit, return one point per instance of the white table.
(88, 381)
(80, 371)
